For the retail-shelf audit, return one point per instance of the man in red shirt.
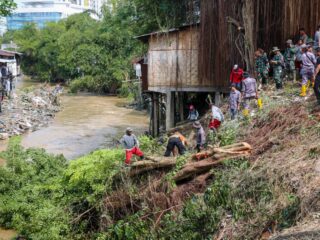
(236, 76)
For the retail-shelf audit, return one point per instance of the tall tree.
(6, 7)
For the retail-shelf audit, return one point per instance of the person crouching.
(216, 118)
(131, 145)
(176, 140)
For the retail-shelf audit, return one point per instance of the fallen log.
(195, 168)
(147, 165)
(208, 159)
(233, 149)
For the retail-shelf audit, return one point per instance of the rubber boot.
(308, 85)
(245, 112)
(303, 91)
(260, 103)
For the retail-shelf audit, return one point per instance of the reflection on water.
(7, 234)
(86, 123)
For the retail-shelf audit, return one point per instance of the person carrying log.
(176, 140)
(131, 145)
(200, 136)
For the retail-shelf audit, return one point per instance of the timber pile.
(197, 164)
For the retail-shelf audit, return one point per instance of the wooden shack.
(173, 73)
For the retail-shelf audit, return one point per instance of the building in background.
(41, 12)
(3, 25)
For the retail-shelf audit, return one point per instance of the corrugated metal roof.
(6, 53)
(145, 37)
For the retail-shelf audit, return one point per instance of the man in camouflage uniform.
(277, 63)
(289, 58)
(262, 66)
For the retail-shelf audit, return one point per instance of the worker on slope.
(236, 76)
(261, 67)
(234, 102)
(176, 140)
(216, 118)
(249, 92)
(317, 77)
(308, 67)
(277, 63)
(290, 57)
(200, 136)
(131, 145)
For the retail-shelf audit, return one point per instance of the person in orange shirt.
(176, 140)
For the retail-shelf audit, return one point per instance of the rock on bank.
(28, 111)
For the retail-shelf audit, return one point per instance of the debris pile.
(27, 111)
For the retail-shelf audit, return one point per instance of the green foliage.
(89, 177)
(30, 190)
(150, 145)
(6, 7)
(40, 193)
(131, 228)
(228, 133)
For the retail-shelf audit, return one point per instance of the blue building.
(41, 12)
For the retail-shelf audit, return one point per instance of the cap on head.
(275, 49)
(304, 46)
(197, 124)
(129, 130)
(235, 66)
(245, 75)
(233, 85)
(289, 41)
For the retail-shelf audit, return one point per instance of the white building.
(43, 11)
(3, 25)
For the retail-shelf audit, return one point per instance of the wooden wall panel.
(173, 60)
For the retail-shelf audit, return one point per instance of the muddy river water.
(85, 123)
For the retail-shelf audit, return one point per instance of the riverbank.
(27, 111)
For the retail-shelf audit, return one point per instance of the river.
(86, 122)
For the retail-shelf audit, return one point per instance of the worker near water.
(289, 58)
(249, 92)
(176, 140)
(236, 76)
(200, 136)
(234, 102)
(277, 63)
(261, 66)
(193, 113)
(317, 77)
(309, 61)
(131, 145)
(216, 118)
